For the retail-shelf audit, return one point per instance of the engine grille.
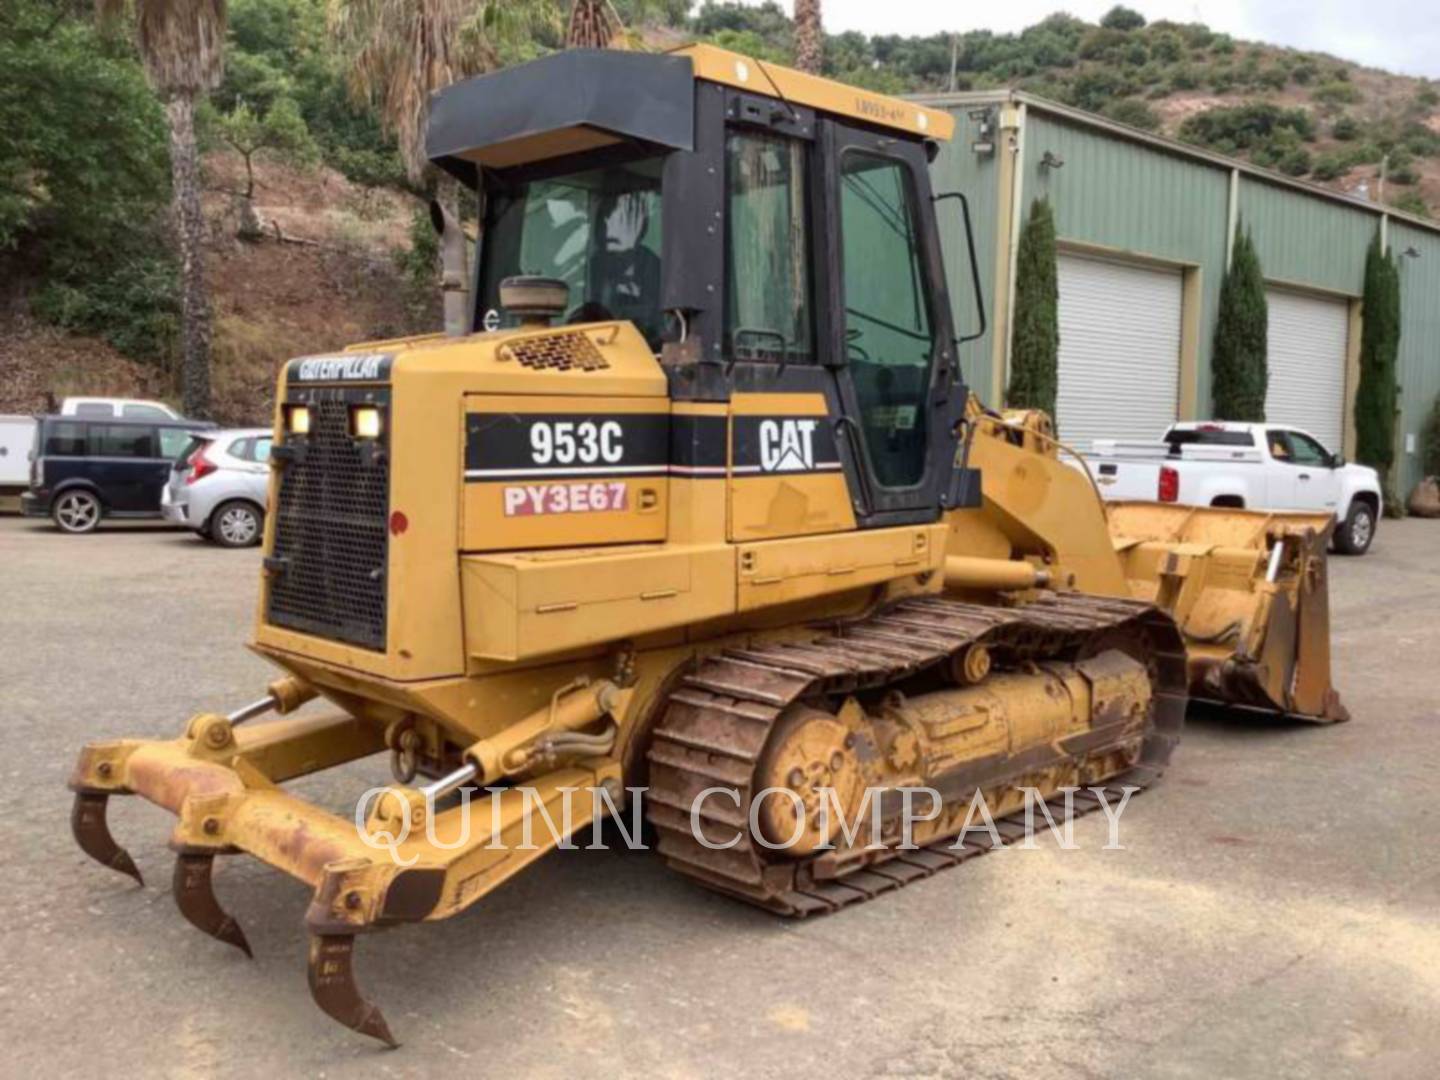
(567, 350)
(327, 567)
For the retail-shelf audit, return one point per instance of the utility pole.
(954, 57)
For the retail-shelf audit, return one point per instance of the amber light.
(297, 419)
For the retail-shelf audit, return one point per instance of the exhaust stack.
(453, 270)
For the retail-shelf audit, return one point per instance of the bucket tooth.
(195, 896)
(92, 833)
(332, 985)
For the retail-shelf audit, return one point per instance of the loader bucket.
(1250, 594)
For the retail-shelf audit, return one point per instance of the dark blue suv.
(83, 470)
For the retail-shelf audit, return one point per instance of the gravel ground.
(1273, 913)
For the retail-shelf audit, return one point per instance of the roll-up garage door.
(1307, 347)
(1119, 350)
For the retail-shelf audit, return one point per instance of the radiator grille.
(327, 566)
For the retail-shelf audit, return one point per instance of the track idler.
(92, 833)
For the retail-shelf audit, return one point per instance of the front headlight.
(365, 422)
(297, 419)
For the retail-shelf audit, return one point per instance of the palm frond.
(402, 51)
(182, 42)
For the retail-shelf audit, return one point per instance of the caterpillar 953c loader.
(692, 497)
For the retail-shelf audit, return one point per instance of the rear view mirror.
(974, 264)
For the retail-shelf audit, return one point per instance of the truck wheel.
(1357, 530)
(236, 524)
(76, 512)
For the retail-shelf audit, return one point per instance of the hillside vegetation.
(316, 236)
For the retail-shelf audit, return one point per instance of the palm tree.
(182, 45)
(809, 36)
(593, 25)
(402, 51)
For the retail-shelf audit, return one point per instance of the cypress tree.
(1379, 348)
(1241, 373)
(1035, 351)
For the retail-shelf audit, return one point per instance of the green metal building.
(1144, 224)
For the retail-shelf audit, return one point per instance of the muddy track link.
(717, 722)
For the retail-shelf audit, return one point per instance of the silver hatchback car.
(219, 484)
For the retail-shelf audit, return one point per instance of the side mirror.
(974, 263)
(1337, 461)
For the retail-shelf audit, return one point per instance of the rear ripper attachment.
(221, 781)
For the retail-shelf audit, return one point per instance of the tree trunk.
(190, 236)
(809, 37)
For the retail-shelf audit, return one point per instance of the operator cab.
(767, 232)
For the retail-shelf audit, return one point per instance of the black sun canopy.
(562, 104)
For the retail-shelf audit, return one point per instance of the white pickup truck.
(1258, 466)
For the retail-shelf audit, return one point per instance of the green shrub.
(1241, 374)
(1331, 167)
(1430, 441)
(1337, 93)
(1304, 72)
(1167, 47)
(1103, 45)
(1405, 175)
(1198, 35)
(1295, 162)
(1136, 54)
(1222, 45)
(1184, 77)
(1222, 79)
(1274, 77)
(1411, 202)
(129, 294)
(1246, 126)
(1134, 112)
(1345, 128)
(1122, 18)
(1427, 97)
(1095, 88)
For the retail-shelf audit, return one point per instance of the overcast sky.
(1398, 35)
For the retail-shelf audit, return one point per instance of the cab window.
(65, 438)
(1308, 451)
(122, 441)
(173, 442)
(767, 263)
(597, 230)
(145, 412)
(888, 337)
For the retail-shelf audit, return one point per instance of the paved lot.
(1274, 913)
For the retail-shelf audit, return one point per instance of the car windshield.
(597, 230)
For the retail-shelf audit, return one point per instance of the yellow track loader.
(690, 507)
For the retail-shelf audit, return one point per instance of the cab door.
(1307, 478)
(892, 342)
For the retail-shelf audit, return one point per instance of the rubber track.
(717, 722)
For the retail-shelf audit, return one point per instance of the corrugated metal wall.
(1150, 202)
(1120, 195)
(1419, 372)
(959, 168)
(1307, 241)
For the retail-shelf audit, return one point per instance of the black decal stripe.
(697, 445)
(499, 445)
